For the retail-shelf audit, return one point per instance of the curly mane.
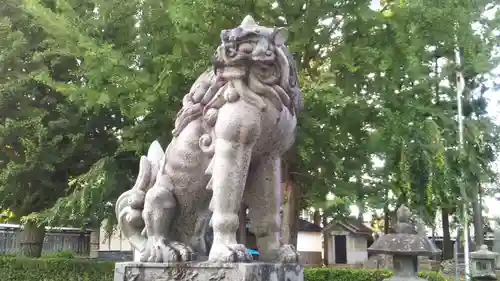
(253, 64)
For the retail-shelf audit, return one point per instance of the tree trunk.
(285, 219)
(289, 224)
(32, 240)
(317, 217)
(478, 218)
(447, 244)
(386, 212)
(360, 202)
(361, 207)
(242, 230)
(294, 214)
(290, 200)
(386, 220)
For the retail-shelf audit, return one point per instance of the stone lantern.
(483, 264)
(405, 245)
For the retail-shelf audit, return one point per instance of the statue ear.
(280, 35)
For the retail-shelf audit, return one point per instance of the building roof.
(10, 226)
(308, 226)
(353, 225)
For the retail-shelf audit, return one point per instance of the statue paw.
(288, 254)
(160, 250)
(229, 253)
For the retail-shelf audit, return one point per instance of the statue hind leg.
(161, 206)
(237, 130)
(262, 197)
(158, 214)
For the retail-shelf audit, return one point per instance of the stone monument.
(236, 122)
(483, 263)
(405, 245)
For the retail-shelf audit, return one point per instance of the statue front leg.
(262, 197)
(236, 131)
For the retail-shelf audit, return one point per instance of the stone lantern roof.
(483, 254)
(406, 241)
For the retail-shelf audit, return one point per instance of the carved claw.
(288, 254)
(160, 250)
(229, 253)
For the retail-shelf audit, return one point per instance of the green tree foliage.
(46, 139)
(377, 83)
(409, 114)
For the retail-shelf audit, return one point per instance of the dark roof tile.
(351, 224)
(308, 226)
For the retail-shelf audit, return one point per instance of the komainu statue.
(236, 122)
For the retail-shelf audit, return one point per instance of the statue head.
(251, 42)
(251, 50)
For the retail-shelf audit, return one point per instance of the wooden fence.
(56, 240)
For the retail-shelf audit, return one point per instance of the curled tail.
(130, 204)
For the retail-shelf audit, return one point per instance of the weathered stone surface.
(483, 264)
(381, 261)
(204, 271)
(406, 245)
(237, 120)
(407, 240)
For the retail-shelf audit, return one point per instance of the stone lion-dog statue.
(236, 122)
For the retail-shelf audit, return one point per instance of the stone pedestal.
(204, 271)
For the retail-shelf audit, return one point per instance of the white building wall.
(309, 242)
(356, 249)
(331, 250)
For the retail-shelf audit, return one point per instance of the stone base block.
(205, 271)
